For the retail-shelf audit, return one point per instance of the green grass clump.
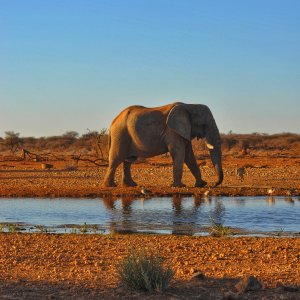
(12, 228)
(84, 228)
(145, 272)
(219, 230)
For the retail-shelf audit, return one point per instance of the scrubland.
(52, 266)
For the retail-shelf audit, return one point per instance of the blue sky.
(73, 65)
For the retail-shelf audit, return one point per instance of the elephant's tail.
(109, 141)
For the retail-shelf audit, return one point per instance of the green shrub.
(219, 230)
(142, 271)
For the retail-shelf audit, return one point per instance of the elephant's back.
(123, 115)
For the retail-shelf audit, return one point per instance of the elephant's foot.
(178, 184)
(109, 184)
(200, 183)
(129, 183)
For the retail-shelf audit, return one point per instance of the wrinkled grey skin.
(145, 132)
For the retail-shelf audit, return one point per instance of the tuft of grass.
(219, 230)
(145, 272)
(84, 228)
(42, 229)
(280, 232)
(12, 228)
(73, 231)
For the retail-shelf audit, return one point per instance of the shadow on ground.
(203, 288)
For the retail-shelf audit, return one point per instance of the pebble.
(198, 276)
(286, 288)
(231, 296)
(248, 283)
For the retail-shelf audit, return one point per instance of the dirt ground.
(52, 266)
(28, 179)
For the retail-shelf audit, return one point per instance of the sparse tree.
(12, 140)
(71, 135)
(97, 141)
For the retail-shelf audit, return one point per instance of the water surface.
(177, 215)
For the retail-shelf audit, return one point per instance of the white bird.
(144, 191)
(270, 191)
(290, 192)
(207, 193)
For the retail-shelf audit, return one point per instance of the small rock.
(286, 288)
(46, 166)
(231, 296)
(198, 275)
(248, 283)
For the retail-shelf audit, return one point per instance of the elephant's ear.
(179, 120)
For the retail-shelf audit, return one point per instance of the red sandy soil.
(28, 179)
(46, 266)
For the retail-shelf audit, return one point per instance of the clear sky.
(73, 65)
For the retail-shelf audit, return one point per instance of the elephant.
(144, 132)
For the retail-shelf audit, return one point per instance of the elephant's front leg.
(177, 152)
(191, 162)
(127, 179)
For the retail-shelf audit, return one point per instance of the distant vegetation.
(258, 142)
(93, 145)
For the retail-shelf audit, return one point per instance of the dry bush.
(94, 144)
(260, 142)
(145, 272)
(12, 141)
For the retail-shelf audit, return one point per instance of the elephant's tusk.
(209, 146)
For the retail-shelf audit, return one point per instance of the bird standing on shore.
(271, 191)
(240, 172)
(144, 191)
(290, 192)
(207, 193)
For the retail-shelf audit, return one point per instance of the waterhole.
(278, 216)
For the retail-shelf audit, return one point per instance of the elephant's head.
(196, 121)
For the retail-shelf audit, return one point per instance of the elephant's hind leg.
(110, 173)
(127, 179)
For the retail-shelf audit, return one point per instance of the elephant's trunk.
(216, 158)
(214, 138)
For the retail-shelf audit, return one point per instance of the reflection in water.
(197, 202)
(289, 200)
(109, 202)
(217, 214)
(176, 220)
(240, 201)
(126, 203)
(177, 201)
(177, 214)
(123, 223)
(271, 200)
